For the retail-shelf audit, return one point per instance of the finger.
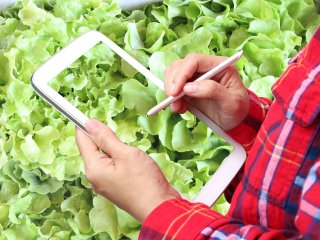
(186, 69)
(206, 89)
(176, 106)
(169, 76)
(192, 64)
(88, 149)
(183, 108)
(105, 138)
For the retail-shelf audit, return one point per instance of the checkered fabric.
(277, 196)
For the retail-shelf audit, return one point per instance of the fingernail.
(173, 88)
(92, 126)
(190, 87)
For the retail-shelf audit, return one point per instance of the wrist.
(150, 205)
(239, 111)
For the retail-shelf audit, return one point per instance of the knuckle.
(219, 58)
(175, 64)
(213, 87)
(192, 56)
(91, 177)
(135, 151)
(101, 140)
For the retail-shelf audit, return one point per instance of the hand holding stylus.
(224, 98)
(211, 73)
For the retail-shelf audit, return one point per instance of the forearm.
(180, 219)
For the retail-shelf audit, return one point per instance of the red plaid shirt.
(278, 196)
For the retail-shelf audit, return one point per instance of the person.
(276, 196)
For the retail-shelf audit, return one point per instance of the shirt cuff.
(246, 132)
(177, 219)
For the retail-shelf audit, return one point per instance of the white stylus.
(215, 70)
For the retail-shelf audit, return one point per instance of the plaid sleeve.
(308, 217)
(246, 132)
(181, 220)
(177, 219)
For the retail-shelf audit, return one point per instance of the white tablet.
(69, 54)
(6, 3)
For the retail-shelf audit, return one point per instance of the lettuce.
(43, 191)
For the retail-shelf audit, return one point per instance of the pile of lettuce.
(43, 191)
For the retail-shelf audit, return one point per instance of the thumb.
(104, 137)
(205, 89)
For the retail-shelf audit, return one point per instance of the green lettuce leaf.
(44, 193)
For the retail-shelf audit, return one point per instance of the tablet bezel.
(66, 56)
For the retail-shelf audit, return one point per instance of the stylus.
(215, 70)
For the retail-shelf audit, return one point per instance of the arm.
(179, 219)
(114, 173)
(245, 133)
